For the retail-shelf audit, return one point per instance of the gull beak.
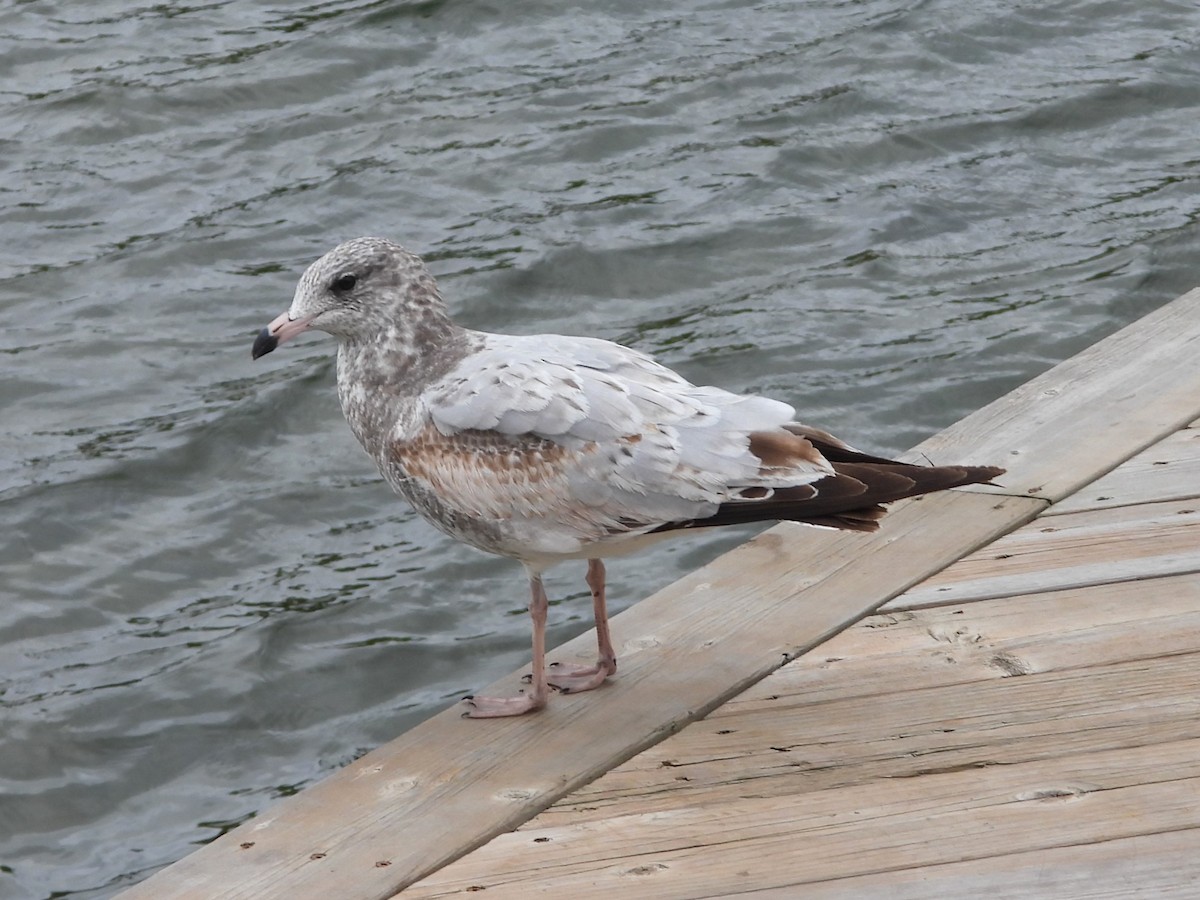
(282, 328)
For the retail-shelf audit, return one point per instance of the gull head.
(356, 290)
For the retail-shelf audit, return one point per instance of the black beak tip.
(263, 344)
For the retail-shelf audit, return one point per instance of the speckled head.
(362, 288)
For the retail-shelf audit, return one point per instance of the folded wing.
(608, 444)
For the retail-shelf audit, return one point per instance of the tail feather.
(850, 499)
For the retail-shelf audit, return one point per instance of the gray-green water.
(887, 213)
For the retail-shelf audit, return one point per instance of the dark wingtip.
(263, 344)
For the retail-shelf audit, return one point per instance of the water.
(886, 213)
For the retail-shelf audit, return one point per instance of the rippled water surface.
(887, 213)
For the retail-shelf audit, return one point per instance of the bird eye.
(345, 282)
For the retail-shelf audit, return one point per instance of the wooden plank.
(1082, 418)
(989, 639)
(1168, 470)
(894, 825)
(1161, 866)
(788, 746)
(888, 669)
(1071, 550)
(451, 784)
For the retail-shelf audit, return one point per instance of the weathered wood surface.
(758, 843)
(1077, 421)
(1168, 470)
(451, 784)
(1161, 866)
(1153, 867)
(997, 732)
(1121, 544)
(880, 674)
(1140, 520)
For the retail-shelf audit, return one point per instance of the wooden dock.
(996, 695)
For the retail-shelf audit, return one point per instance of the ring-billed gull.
(547, 447)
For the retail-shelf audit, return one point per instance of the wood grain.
(977, 664)
(1167, 470)
(1163, 866)
(1122, 544)
(1056, 721)
(891, 826)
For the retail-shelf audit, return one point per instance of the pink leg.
(495, 707)
(571, 678)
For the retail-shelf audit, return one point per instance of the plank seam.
(1066, 845)
(1004, 594)
(1053, 510)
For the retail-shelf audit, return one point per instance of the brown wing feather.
(849, 499)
